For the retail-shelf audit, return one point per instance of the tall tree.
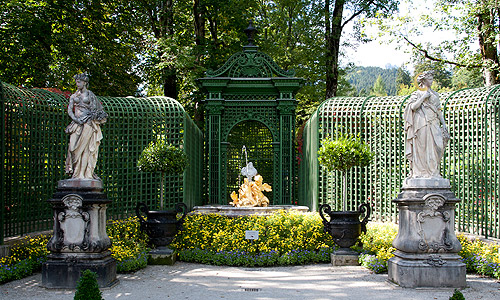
(379, 89)
(25, 43)
(338, 13)
(403, 77)
(44, 43)
(471, 25)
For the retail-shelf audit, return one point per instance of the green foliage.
(403, 77)
(160, 156)
(128, 244)
(87, 288)
(344, 153)
(364, 78)
(281, 232)
(467, 78)
(457, 295)
(379, 88)
(45, 43)
(25, 258)
(164, 158)
(263, 259)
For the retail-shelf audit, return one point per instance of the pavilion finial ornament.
(250, 32)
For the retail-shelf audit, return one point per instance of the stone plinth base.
(162, 256)
(427, 247)
(79, 239)
(60, 274)
(427, 270)
(231, 211)
(345, 257)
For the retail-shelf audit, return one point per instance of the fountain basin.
(231, 211)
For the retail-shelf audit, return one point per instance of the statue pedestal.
(427, 248)
(79, 241)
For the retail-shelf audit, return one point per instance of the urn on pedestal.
(344, 226)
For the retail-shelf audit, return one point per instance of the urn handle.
(365, 208)
(327, 209)
(141, 206)
(181, 208)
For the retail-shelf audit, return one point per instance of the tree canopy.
(160, 47)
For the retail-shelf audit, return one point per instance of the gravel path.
(195, 281)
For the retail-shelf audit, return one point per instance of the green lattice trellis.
(250, 91)
(34, 146)
(471, 160)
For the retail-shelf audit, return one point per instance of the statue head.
(422, 76)
(82, 77)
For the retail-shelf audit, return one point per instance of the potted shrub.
(164, 158)
(342, 154)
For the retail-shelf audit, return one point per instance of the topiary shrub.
(87, 288)
(457, 295)
(342, 154)
(161, 157)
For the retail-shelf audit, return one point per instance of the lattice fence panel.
(471, 161)
(35, 145)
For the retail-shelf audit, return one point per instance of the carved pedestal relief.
(434, 225)
(73, 224)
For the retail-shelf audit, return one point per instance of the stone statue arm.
(71, 106)
(420, 99)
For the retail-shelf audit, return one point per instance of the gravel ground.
(196, 281)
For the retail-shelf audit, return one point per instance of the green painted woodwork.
(250, 101)
(34, 146)
(471, 161)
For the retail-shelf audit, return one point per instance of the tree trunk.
(344, 191)
(333, 28)
(167, 30)
(199, 23)
(487, 46)
(162, 183)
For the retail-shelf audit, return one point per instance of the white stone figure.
(85, 133)
(249, 171)
(426, 131)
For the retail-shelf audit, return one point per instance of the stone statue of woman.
(85, 133)
(426, 131)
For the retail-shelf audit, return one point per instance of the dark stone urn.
(345, 226)
(161, 225)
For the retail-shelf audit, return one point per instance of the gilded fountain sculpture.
(250, 193)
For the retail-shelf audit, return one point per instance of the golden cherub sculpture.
(251, 193)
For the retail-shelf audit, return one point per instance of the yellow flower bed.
(128, 244)
(281, 232)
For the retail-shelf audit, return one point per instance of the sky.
(379, 53)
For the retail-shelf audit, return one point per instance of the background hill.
(363, 79)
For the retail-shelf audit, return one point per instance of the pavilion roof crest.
(250, 64)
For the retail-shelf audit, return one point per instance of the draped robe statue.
(85, 133)
(426, 131)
